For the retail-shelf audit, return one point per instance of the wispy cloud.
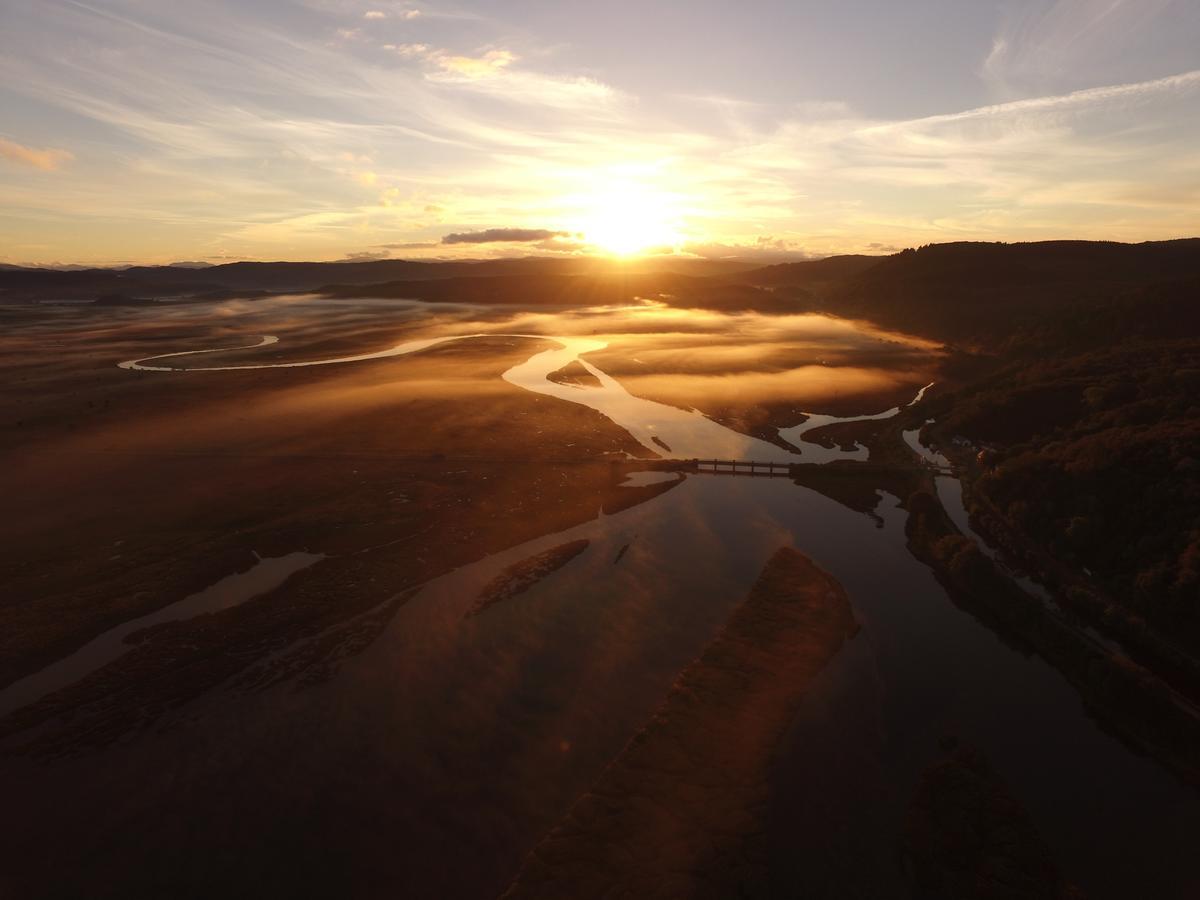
(377, 15)
(1108, 95)
(494, 72)
(45, 158)
(1019, 150)
(1041, 43)
(490, 64)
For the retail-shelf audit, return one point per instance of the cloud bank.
(504, 236)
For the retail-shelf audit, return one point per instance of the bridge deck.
(743, 467)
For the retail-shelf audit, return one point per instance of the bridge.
(742, 467)
(793, 470)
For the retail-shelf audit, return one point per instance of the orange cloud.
(47, 159)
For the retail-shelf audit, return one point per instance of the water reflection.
(645, 479)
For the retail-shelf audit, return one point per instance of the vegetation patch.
(521, 576)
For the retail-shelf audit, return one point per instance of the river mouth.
(426, 727)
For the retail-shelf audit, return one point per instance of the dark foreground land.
(470, 691)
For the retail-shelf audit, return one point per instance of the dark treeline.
(1097, 461)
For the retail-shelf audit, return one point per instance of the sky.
(156, 131)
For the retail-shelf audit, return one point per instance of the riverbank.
(1126, 697)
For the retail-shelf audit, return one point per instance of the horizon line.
(751, 257)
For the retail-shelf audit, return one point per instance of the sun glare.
(629, 218)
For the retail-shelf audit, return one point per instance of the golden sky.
(328, 129)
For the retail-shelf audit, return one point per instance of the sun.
(627, 218)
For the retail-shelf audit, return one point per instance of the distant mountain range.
(954, 291)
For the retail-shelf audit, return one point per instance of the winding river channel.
(666, 430)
